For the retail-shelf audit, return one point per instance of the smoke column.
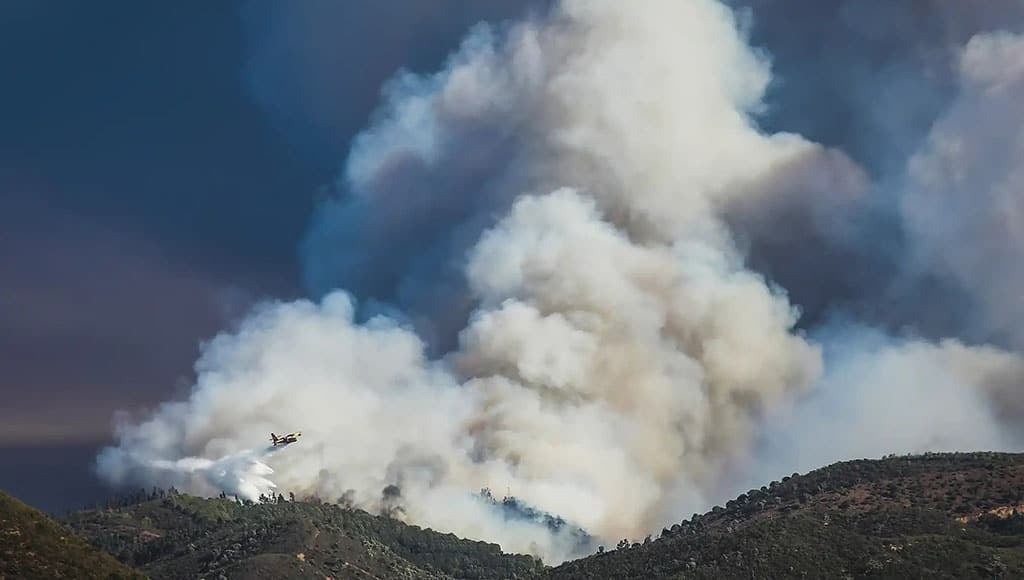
(534, 277)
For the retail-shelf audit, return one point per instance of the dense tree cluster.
(177, 535)
(514, 509)
(924, 515)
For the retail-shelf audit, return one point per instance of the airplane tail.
(273, 438)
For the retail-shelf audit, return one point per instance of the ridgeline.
(931, 516)
(182, 536)
(33, 545)
(934, 515)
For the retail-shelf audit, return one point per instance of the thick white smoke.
(962, 203)
(552, 204)
(883, 395)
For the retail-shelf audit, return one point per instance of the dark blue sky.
(144, 197)
(159, 163)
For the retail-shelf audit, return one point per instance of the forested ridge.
(933, 515)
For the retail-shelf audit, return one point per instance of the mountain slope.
(180, 536)
(937, 515)
(34, 546)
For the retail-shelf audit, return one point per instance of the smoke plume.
(535, 277)
(964, 204)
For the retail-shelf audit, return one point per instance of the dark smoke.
(871, 78)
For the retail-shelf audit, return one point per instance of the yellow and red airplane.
(285, 439)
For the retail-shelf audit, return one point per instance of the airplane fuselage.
(280, 441)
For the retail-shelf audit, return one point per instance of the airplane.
(285, 439)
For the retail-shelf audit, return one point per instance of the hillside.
(937, 515)
(181, 536)
(32, 545)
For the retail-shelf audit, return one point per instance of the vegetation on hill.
(514, 509)
(171, 535)
(936, 515)
(32, 545)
